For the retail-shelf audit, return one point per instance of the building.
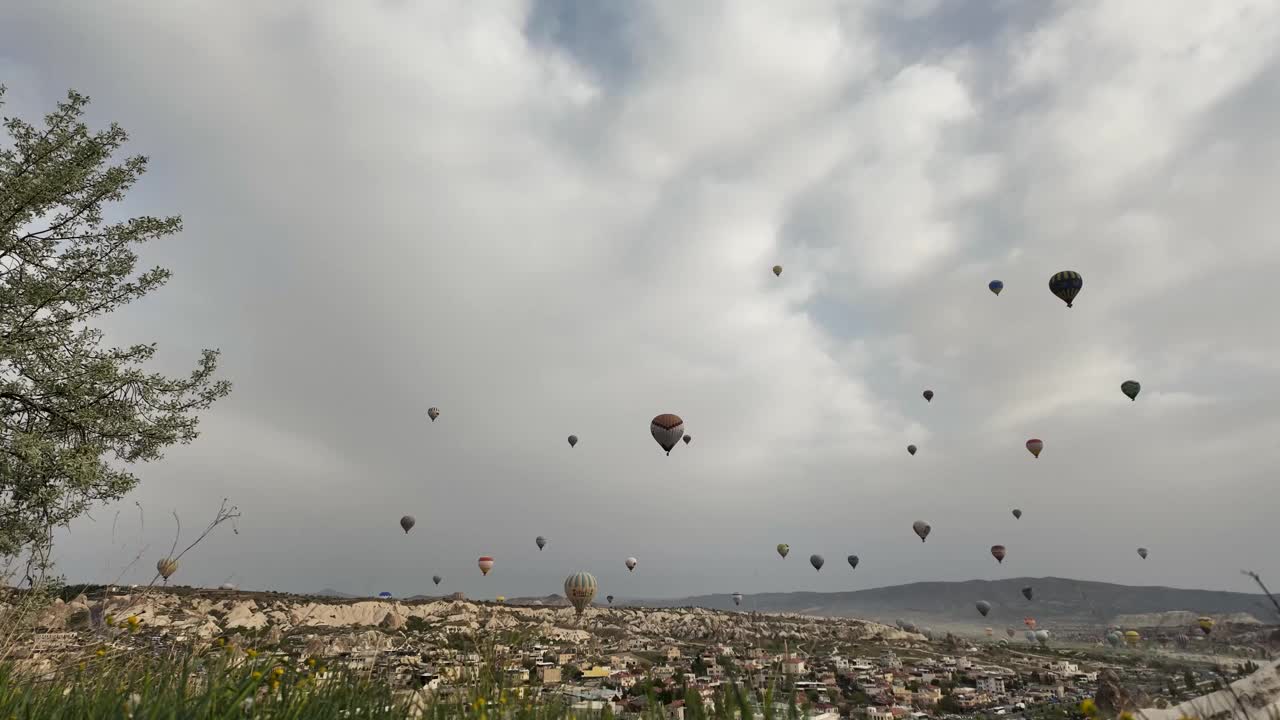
(548, 674)
(991, 684)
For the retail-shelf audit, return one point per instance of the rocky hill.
(1057, 600)
(191, 614)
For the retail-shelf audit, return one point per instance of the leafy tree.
(74, 414)
(698, 667)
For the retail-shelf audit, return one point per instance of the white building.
(991, 685)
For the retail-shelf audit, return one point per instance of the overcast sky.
(560, 217)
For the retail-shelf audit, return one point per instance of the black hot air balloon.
(1131, 388)
(1026, 592)
(1066, 285)
(928, 395)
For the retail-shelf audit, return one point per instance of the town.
(683, 663)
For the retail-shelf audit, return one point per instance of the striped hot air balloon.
(580, 588)
(486, 564)
(1066, 285)
(166, 567)
(667, 429)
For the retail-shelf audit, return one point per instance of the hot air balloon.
(609, 598)
(1026, 592)
(687, 438)
(816, 561)
(1030, 635)
(737, 598)
(384, 595)
(580, 588)
(928, 396)
(997, 552)
(407, 522)
(1131, 388)
(1010, 631)
(166, 567)
(922, 529)
(911, 449)
(1206, 624)
(631, 564)
(1142, 553)
(1042, 637)
(227, 586)
(909, 626)
(1066, 285)
(1029, 622)
(486, 564)
(1035, 445)
(1182, 641)
(433, 413)
(436, 579)
(777, 270)
(984, 607)
(989, 632)
(1132, 637)
(500, 599)
(1114, 639)
(540, 541)
(995, 286)
(853, 561)
(573, 440)
(668, 430)
(1017, 514)
(783, 549)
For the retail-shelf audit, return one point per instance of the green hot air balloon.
(777, 270)
(580, 588)
(783, 549)
(1131, 388)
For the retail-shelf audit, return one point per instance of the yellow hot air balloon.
(1206, 624)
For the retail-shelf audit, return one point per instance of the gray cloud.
(548, 221)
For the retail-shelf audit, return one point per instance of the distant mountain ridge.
(1056, 600)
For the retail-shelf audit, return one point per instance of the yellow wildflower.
(255, 675)
(251, 653)
(133, 621)
(1089, 708)
(101, 652)
(311, 662)
(1126, 716)
(277, 671)
(275, 684)
(110, 620)
(220, 642)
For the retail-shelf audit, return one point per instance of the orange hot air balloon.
(1035, 445)
(485, 563)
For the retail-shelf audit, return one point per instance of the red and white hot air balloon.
(485, 563)
(667, 430)
(1035, 445)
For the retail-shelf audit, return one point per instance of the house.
(794, 666)
(991, 684)
(548, 674)
(672, 653)
(596, 672)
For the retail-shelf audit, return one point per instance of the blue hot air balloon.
(995, 286)
(384, 595)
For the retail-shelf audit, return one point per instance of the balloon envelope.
(911, 449)
(631, 563)
(1026, 592)
(407, 522)
(995, 286)
(853, 561)
(1066, 285)
(687, 438)
(783, 549)
(984, 607)
(436, 579)
(433, 413)
(540, 541)
(1035, 445)
(1131, 388)
(166, 567)
(922, 529)
(384, 595)
(573, 440)
(485, 563)
(997, 552)
(667, 429)
(737, 598)
(580, 588)
(777, 270)
(1142, 552)
(816, 561)
(1017, 513)
(928, 395)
